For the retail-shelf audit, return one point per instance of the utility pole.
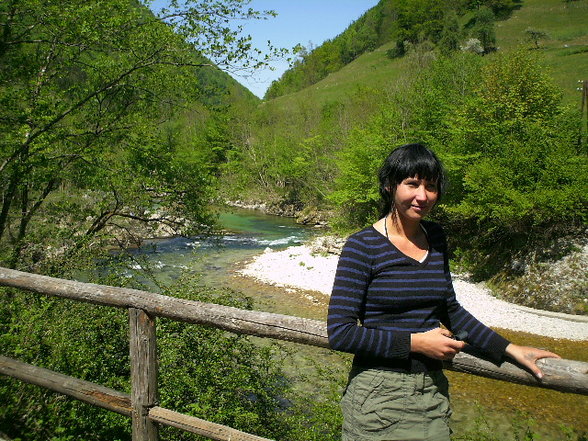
(584, 108)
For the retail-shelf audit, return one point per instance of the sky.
(305, 22)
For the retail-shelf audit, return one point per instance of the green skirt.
(393, 406)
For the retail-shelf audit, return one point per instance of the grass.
(372, 70)
(563, 53)
(564, 50)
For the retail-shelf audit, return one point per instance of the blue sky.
(302, 22)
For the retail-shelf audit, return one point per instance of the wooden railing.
(142, 404)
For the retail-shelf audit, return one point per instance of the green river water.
(243, 234)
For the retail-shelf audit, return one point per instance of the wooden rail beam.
(563, 375)
(82, 390)
(201, 427)
(261, 324)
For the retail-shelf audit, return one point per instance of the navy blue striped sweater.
(380, 296)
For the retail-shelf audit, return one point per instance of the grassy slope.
(370, 70)
(565, 54)
(565, 51)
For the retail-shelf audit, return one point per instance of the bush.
(204, 372)
(521, 188)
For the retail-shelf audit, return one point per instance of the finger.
(537, 372)
(547, 354)
(456, 345)
(532, 365)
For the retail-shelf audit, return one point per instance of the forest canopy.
(98, 104)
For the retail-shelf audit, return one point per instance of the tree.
(535, 35)
(483, 29)
(451, 34)
(86, 88)
(521, 185)
(420, 20)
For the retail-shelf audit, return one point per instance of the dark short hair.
(407, 161)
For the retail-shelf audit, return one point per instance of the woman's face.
(415, 197)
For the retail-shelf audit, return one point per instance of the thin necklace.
(388, 237)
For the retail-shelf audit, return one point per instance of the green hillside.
(564, 50)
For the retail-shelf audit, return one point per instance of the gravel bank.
(301, 269)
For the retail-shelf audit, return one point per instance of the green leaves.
(87, 89)
(511, 150)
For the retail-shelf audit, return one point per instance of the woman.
(392, 290)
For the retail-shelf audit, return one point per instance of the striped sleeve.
(457, 318)
(346, 308)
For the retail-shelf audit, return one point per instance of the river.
(243, 233)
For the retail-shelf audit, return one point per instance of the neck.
(402, 227)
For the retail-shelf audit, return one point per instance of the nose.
(421, 193)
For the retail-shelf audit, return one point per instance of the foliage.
(90, 343)
(404, 22)
(521, 186)
(89, 92)
(510, 148)
(285, 155)
(535, 35)
(481, 27)
(356, 187)
(420, 20)
(204, 372)
(472, 45)
(218, 376)
(450, 37)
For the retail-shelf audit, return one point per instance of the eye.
(432, 187)
(411, 182)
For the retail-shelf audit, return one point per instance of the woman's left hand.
(528, 356)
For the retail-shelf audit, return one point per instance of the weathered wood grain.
(143, 355)
(80, 389)
(563, 375)
(201, 427)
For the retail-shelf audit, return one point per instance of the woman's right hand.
(436, 343)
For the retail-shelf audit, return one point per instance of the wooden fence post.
(144, 395)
